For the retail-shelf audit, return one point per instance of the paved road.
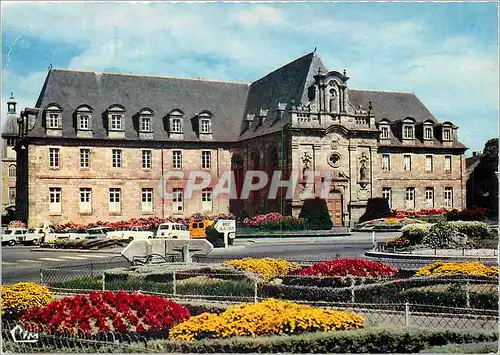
(19, 263)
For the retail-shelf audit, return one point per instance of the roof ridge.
(388, 91)
(149, 76)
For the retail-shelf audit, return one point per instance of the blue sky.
(446, 53)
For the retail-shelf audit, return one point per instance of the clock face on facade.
(334, 159)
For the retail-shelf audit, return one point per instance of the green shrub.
(471, 348)
(474, 230)
(415, 233)
(441, 236)
(374, 340)
(81, 283)
(315, 213)
(376, 208)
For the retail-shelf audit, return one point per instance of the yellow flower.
(21, 297)
(456, 268)
(267, 268)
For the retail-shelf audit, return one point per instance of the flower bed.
(350, 267)
(267, 268)
(400, 242)
(266, 318)
(106, 311)
(387, 223)
(478, 214)
(273, 221)
(455, 268)
(21, 297)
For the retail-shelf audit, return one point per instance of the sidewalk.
(438, 254)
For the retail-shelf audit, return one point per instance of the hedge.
(374, 340)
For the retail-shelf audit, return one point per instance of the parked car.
(134, 233)
(172, 231)
(97, 233)
(36, 236)
(9, 236)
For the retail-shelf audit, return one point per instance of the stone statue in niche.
(362, 172)
(307, 185)
(333, 101)
(306, 161)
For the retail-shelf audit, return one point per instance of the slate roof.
(228, 101)
(70, 89)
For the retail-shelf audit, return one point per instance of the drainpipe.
(162, 188)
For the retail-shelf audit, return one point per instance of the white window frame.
(84, 158)
(146, 159)
(206, 199)
(205, 125)
(116, 158)
(177, 159)
(147, 200)
(116, 122)
(84, 117)
(386, 162)
(384, 132)
(408, 131)
(429, 163)
(177, 199)
(114, 200)
(146, 124)
(85, 200)
(410, 198)
(53, 120)
(447, 163)
(54, 158)
(429, 197)
(12, 195)
(206, 159)
(407, 162)
(448, 197)
(387, 194)
(428, 136)
(55, 197)
(447, 134)
(176, 125)
(12, 171)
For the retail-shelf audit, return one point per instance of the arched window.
(146, 120)
(116, 118)
(205, 122)
(84, 117)
(175, 121)
(53, 116)
(12, 171)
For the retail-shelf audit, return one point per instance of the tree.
(315, 213)
(484, 180)
(377, 207)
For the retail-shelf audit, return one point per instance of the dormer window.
(116, 116)
(146, 120)
(84, 118)
(408, 132)
(447, 134)
(175, 121)
(205, 122)
(384, 129)
(53, 117)
(427, 133)
(409, 128)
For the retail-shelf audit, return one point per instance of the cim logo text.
(21, 335)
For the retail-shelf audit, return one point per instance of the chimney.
(281, 109)
(249, 120)
(262, 116)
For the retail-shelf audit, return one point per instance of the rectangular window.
(407, 162)
(12, 171)
(205, 126)
(205, 160)
(386, 163)
(386, 193)
(116, 122)
(447, 163)
(146, 159)
(448, 197)
(428, 133)
(147, 200)
(408, 132)
(385, 132)
(85, 200)
(84, 158)
(84, 122)
(428, 163)
(114, 200)
(55, 200)
(146, 124)
(429, 197)
(12, 195)
(410, 198)
(206, 199)
(177, 159)
(447, 135)
(54, 158)
(116, 159)
(54, 120)
(176, 125)
(177, 200)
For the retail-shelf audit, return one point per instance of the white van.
(172, 231)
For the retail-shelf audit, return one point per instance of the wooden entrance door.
(335, 208)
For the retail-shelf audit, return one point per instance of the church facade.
(96, 146)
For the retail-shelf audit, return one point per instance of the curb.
(86, 251)
(283, 236)
(379, 254)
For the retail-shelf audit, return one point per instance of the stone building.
(10, 133)
(96, 145)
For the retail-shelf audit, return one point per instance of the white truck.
(134, 233)
(36, 236)
(172, 231)
(9, 236)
